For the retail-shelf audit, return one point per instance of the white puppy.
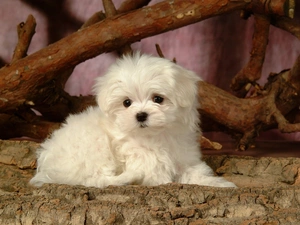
(143, 131)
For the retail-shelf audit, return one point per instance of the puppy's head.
(144, 93)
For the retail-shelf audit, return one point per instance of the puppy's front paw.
(212, 181)
(218, 182)
(225, 183)
(128, 178)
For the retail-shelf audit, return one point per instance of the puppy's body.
(144, 132)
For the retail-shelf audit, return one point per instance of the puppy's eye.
(127, 103)
(157, 99)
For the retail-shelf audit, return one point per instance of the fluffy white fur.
(110, 145)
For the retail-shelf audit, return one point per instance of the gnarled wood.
(34, 75)
(37, 81)
(269, 191)
(252, 71)
(245, 118)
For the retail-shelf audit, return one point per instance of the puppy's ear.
(101, 94)
(186, 87)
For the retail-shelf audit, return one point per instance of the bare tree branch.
(37, 81)
(25, 33)
(44, 65)
(252, 71)
(111, 11)
(245, 118)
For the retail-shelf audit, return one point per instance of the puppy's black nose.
(141, 116)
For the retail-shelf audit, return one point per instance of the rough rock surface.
(268, 193)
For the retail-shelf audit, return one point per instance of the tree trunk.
(268, 193)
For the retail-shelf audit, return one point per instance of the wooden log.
(269, 191)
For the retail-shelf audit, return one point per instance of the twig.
(25, 33)
(208, 144)
(283, 125)
(95, 18)
(109, 8)
(159, 51)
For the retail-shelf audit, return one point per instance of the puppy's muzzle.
(141, 116)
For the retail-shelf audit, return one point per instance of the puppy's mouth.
(143, 125)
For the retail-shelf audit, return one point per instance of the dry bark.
(252, 71)
(25, 33)
(44, 66)
(245, 118)
(111, 11)
(37, 80)
(268, 193)
(269, 188)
